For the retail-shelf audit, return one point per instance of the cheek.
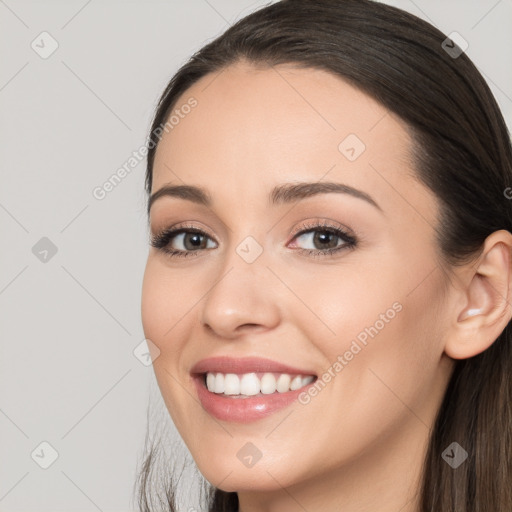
(390, 353)
(165, 302)
(396, 335)
(343, 302)
(380, 331)
(390, 302)
(163, 312)
(152, 305)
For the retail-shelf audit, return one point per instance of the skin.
(359, 444)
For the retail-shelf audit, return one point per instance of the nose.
(244, 297)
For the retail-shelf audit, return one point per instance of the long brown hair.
(463, 154)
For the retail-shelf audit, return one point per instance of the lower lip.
(243, 410)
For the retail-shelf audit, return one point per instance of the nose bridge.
(240, 294)
(246, 255)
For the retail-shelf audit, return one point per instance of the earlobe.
(486, 307)
(469, 312)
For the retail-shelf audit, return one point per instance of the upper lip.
(224, 364)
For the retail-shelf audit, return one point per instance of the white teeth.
(231, 384)
(249, 384)
(219, 384)
(296, 383)
(268, 384)
(210, 381)
(283, 383)
(307, 380)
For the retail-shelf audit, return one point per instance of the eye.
(182, 241)
(323, 239)
(316, 239)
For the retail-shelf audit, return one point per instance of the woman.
(328, 283)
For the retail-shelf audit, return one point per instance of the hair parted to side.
(462, 153)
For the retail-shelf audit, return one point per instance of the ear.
(483, 305)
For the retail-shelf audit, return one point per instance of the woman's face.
(268, 275)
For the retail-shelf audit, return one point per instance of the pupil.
(194, 239)
(325, 236)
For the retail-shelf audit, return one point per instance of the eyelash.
(161, 240)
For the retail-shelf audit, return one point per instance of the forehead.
(254, 126)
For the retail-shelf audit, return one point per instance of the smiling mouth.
(254, 384)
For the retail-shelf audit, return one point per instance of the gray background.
(69, 324)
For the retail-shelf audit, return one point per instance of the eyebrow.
(281, 194)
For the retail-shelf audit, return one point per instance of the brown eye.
(325, 240)
(322, 238)
(192, 241)
(182, 241)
